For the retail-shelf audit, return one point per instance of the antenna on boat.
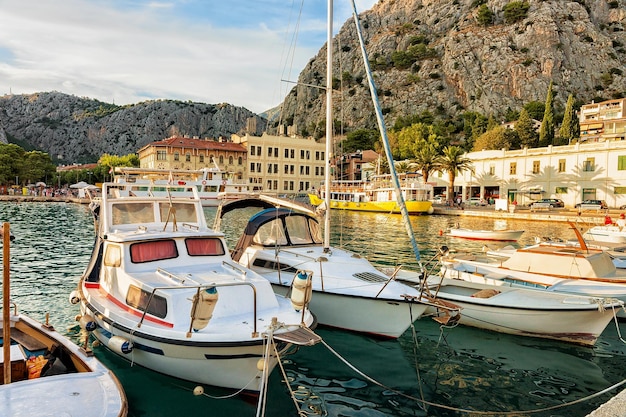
(383, 133)
(6, 317)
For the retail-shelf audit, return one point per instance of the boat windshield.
(204, 247)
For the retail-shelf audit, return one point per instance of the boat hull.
(534, 313)
(413, 207)
(221, 364)
(386, 318)
(614, 234)
(496, 235)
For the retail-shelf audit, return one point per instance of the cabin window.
(271, 234)
(184, 212)
(298, 229)
(154, 250)
(132, 213)
(112, 256)
(204, 247)
(138, 298)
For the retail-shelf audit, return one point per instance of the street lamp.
(89, 173)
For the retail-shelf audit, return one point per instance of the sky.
(129, 51)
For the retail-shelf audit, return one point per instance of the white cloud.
(125, 52)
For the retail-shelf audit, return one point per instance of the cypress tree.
(570, 127)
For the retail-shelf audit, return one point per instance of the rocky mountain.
(73, 129)
(447, 57)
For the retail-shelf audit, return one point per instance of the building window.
(230, 160)
(301, 153)
(240, 161)
(176, 156)
(286, 153)
(292, 153)
(253, 150)
(269, 151)
(211, 159)
(201, 157)
(252, 165)
(258, 167)
(619, 190)
(589, 165)
(536, 167)
(187, 157)
(561, 165)
(512, 168)
(621, 162)
(561, 190)
(161, 155)
(492, 170)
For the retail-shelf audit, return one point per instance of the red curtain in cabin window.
(153, 251)
(204, 247)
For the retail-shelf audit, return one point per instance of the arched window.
(230, 160)
(240, 161)
(221, 159)
(176, 156)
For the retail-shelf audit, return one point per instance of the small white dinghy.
(499, 235)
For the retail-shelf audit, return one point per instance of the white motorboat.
(45, 373)
(551, 266)
(527, 312)
(606, 233)
(162, 291)
(478, 234)
(348, 291)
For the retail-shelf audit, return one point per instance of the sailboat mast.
(329, 121)
(383, 132)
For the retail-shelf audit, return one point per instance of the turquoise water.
(456, 368)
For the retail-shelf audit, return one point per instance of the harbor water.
(447, 369)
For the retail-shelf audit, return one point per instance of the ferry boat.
(213, 184)
(378, 194)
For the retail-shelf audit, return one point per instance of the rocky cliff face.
(463, 65)
(73, 129)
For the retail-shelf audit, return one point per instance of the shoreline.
(42, 199)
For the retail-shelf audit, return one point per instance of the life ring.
(203, 182)
(224, 182)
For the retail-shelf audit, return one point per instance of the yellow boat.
(378, 195)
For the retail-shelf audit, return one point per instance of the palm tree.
(427, 160)
(453, 161)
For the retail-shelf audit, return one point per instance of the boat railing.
(236, 268)
(175, 277)
(199, 288)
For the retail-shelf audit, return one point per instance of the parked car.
(475, 201)
(554, 202)
(600, 203)
(439, 199)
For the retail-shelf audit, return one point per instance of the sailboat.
(348, 292)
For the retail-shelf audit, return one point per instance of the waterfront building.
(583, 171)
(182, 152)
(592, 169)
(283, 164)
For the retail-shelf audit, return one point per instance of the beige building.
(178, 152)
(283, 164)
(603, 121)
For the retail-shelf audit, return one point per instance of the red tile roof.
(183, 142)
